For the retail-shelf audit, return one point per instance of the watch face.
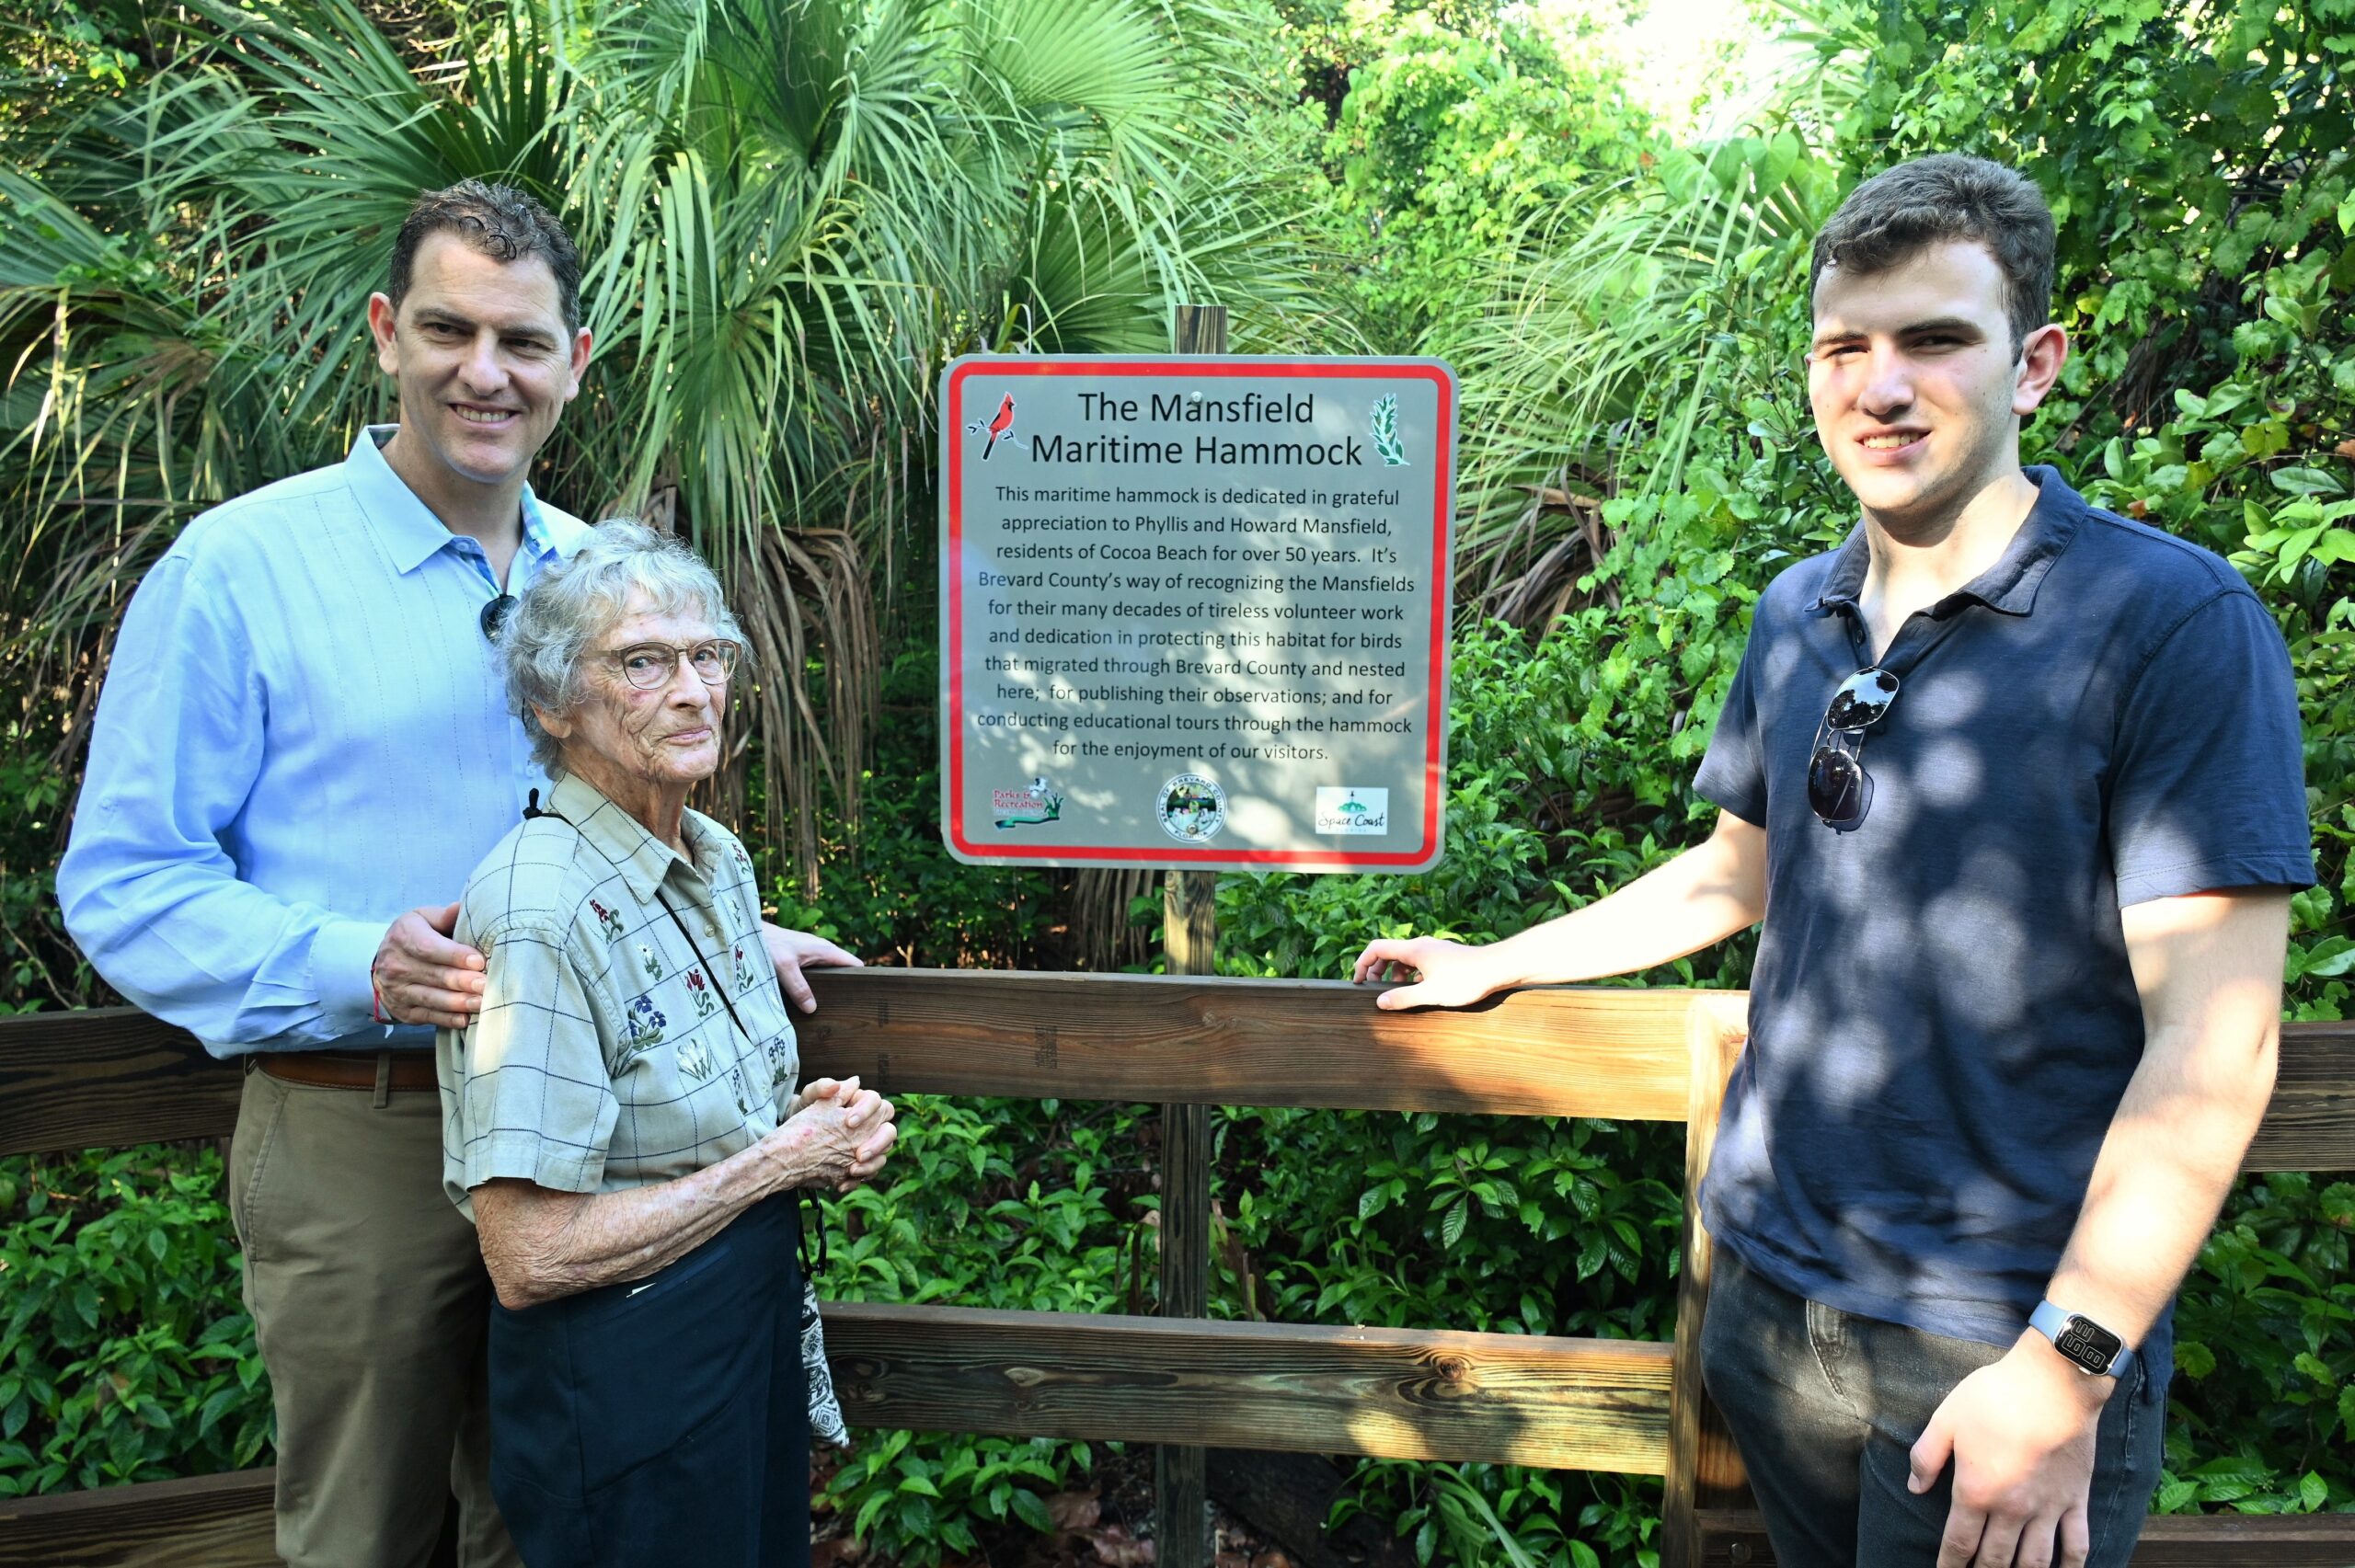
(2089, 1345)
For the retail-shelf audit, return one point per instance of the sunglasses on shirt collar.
(1839, 791)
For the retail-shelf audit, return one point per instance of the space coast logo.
(1034, 804)
(1352, 809)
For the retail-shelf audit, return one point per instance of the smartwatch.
(2090, 1347)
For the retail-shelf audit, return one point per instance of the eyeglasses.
(650, 666)
(1838, 789)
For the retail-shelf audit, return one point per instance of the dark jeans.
(1826, 1407)
(664, 1421)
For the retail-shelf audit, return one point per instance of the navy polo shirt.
(1942, 1019)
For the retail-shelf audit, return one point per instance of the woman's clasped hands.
(836, 1136)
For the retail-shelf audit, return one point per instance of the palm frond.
(791, 213)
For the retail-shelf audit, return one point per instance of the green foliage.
(2264, 1409)
(124, 1353)
(918, 1498)
(1449, 145)
(789, 215)
(1018, 1204)
(891, 888)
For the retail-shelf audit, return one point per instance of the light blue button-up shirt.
(304, 734)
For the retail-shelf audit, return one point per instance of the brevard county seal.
(1192, 808)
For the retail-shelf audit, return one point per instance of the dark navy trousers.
(663, 1421)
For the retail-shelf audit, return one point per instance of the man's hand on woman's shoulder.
(423, 977)
(792, 951)
(1449, 974)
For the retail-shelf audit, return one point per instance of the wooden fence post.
(1704, 1468)
(1181, 1527)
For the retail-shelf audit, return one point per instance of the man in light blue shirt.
(302, 751)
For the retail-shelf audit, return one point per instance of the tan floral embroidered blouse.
(604, 1056)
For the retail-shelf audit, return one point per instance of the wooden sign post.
(1193, 618)
(1181, 1526)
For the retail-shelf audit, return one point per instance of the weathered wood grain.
(1181, 1503)
(1704, 1467)
(2310, 1125)
(1393, 1393)
(1735, 1538)
(105, 1077)
(224, 1521)
(1613, 1051)
(213, 1521)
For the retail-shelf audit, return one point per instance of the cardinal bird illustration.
(1001, 424)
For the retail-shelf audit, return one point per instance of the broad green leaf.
(2306, 482)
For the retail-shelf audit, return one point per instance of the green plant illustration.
(1386, 433)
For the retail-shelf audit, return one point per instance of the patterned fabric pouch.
(825, 1410)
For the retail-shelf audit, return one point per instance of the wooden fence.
(76, 1081)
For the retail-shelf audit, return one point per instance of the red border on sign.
(1433, 783)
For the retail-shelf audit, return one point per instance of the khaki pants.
(371, 1307)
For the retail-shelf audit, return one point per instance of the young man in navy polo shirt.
(2015, 785)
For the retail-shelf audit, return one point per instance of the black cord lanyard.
(802, 1195)
(705, 965)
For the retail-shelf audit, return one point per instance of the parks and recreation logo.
(1349, 809)
(1192, 808)
(1033, 804)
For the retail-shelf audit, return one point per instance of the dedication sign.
(1193, 611)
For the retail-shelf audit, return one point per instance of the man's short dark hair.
(1901, 211)
(499, 221)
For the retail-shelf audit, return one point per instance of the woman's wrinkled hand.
(838, 1135)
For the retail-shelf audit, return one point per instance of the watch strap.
(2052, 1322)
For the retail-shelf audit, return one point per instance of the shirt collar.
(2009, 586)
(642, 859)
(406, 525)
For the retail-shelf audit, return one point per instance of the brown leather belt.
(350, 1069)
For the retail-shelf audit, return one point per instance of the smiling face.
(482, 359)
(1917, 392)
(630, 742)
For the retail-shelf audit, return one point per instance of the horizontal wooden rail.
(108, 1077)
(1736, 1539)
(1590, 1051)
(206, 1521)
(224, 1521)
(1391, 1394)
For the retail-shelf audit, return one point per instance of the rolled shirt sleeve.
(149, 893)
(532, 1093)
(2208, 788)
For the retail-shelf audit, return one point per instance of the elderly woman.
(622, 1120)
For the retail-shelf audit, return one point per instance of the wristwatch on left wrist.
(2085, 1344)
